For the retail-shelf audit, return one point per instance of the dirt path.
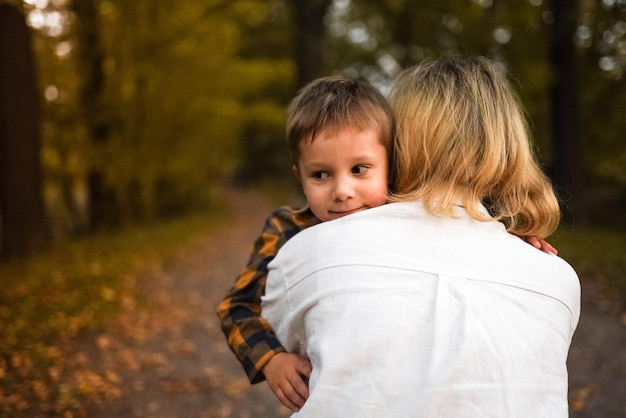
(174, 363)
(597, 365)
(182, 367)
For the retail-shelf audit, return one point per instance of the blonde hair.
(462, 138)
(330, 104)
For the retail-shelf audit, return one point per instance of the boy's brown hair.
(335, 103)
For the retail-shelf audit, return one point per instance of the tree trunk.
(23, 224)
(309, 33)
(103, 210)
(564, 106)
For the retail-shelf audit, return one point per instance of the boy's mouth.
(340, 213)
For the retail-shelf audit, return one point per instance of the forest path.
(181, 366)
(173, 362)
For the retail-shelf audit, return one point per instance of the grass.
(47, 300)
(597, 255)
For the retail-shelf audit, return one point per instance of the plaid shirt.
(249, 336)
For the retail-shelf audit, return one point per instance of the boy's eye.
(320, 175)
(359, 169)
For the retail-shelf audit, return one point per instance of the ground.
(174, 361)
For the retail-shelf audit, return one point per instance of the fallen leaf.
(578, 399)
(236, 389)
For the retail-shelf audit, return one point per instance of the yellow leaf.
(579, 398)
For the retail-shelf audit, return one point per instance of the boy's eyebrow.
(366, 157)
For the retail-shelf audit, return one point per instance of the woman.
(430, 306)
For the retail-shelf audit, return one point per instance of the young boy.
(340, 135)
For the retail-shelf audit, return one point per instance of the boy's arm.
(249, 336)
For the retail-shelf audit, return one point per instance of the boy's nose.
(344, 190)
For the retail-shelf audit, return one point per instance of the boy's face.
(343, 173)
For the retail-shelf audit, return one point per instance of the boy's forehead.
(334, 131)
(359, 138)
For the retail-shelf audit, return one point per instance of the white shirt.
(406, 315)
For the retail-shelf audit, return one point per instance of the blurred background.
(144, 109)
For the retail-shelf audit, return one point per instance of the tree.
(23, 225)
(175, 97)
(564, 106)
(308, 35)
(103, 210)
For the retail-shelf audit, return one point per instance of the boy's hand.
(285, 374)
(541, 244)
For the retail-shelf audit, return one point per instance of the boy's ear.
(296, 172)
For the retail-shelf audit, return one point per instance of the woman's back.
(405, 314)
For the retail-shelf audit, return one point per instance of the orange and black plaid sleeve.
(249, 336)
